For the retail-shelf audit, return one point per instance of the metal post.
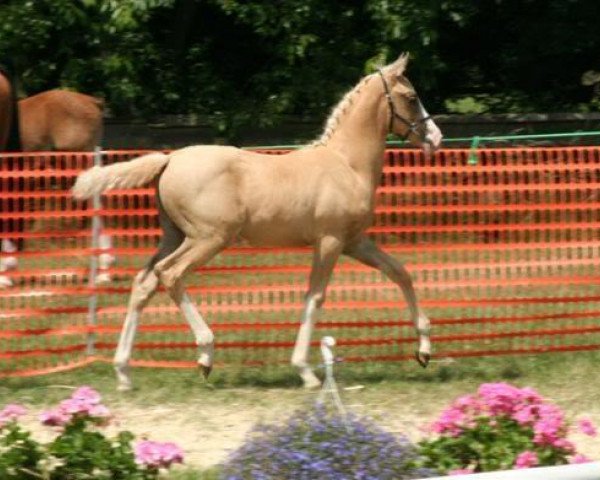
(96, 227)
(329, 385)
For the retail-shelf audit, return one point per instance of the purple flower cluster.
(325, 445)
(83, 403)
(497, 404)
(157, 455)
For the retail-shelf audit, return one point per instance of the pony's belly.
(275, 235)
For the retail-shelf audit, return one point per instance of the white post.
(95, 243)
(580, 471)
(329, 385)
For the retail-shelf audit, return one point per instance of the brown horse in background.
(60, 120)
(53, 120)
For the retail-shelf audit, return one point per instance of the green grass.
(158, 386)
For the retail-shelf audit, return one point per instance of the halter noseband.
(394, 115)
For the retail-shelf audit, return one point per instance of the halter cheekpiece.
(394, 115)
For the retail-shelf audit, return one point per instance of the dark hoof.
(205, 371)
(422, 358)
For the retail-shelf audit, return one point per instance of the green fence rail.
(474, 141)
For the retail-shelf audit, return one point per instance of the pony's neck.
(361, 132)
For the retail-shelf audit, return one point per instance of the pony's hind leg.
(143, 288)
(170, 271)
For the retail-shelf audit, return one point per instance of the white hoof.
(124, 387)
(8, 263)
(5, 282)
(311, 382)
(123, 379)
(103, 278)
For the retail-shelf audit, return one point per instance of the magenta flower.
(579, 459)
(84, 402)
(550, 425)
(586, 427)
(54, 418)
(11, 412)
(157, 455)
(526, 415)
(500, 398)
(87, 395)
(451, 422)
(526, 459)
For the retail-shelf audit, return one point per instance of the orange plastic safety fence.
(505, 255)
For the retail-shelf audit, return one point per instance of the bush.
(499, 428)
(79, 451)
(325, 445)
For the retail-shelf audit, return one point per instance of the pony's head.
(407, 115)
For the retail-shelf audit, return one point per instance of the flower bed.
(501, 427)
(79, 450)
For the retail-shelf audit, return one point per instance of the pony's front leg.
(325, 255)
(367, 252)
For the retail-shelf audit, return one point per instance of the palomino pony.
(322, 195)
(52, 120)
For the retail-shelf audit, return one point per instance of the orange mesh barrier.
(505, 255)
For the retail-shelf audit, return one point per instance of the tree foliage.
(250, 61)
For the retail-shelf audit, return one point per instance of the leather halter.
(394, 115)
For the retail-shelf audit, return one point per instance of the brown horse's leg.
(367, 252)
(325, 255)
(13, 226)
(170, 271)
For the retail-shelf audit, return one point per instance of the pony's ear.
(399, 65)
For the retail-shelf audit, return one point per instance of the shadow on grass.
(179, 385)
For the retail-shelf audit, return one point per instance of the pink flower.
(528, 394)
(579, 459)
(54, 418)
(84, 402)
(526, 459)
(526, 414)
(11, 412)
(586, 427)
(499, 398)
(87, 395)
(564, 444)
(157, 455)
(550, 425)
(451, 422)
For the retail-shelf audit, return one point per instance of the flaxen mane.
(338, 112)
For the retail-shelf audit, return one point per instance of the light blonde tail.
(134, 173)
